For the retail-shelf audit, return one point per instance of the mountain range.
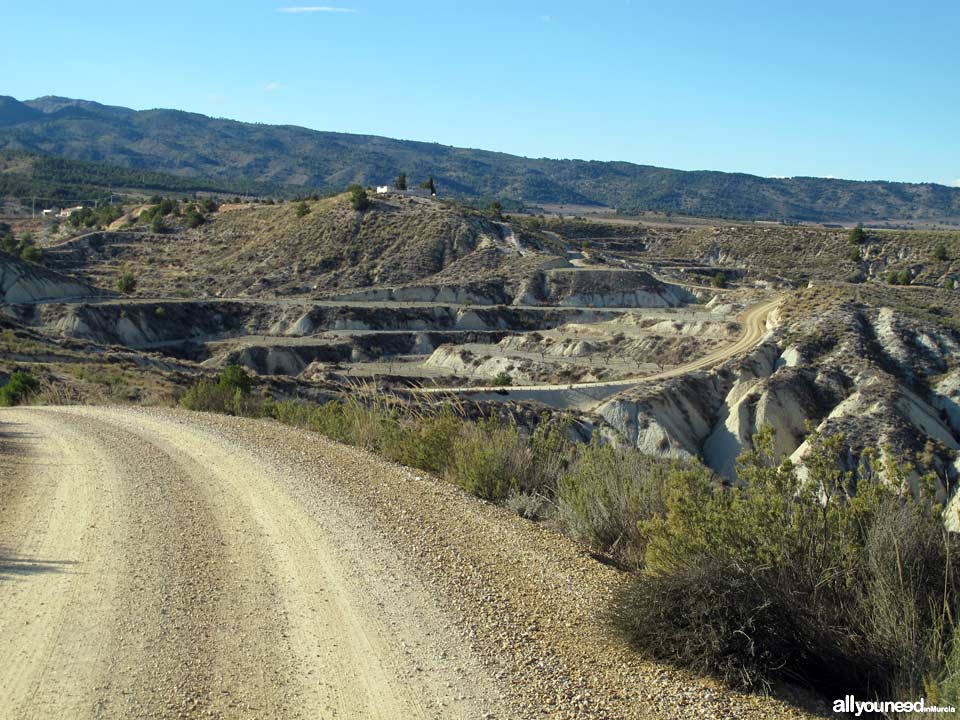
(191, 145)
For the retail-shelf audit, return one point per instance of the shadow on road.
(13, 566)
(11, 440)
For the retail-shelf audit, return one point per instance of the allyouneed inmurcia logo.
(849, 704)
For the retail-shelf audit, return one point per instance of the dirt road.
(148, 571)
(163, 564)
(584, 395)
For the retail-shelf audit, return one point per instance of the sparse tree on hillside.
(126, 283)
(940, 252)
(9, 244)
(428, 185)
(402, 181)
(496, 209)
(31, 254)
(857, 236)
(719, 280)
(302, 209)
(358, 198)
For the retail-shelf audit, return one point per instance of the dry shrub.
(606, 494)
(797, 579)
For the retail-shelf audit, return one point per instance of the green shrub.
(209, 396)
(940, 252)
(358, 198)
(194, 218)
(126, 282)
(720, 280)
(491, 460)
(230, 394)
(18, 388)
(553, 451)
(502, 379)
(857, 236)
(235, 378)
(798, 579)
(854, 253)
(426, 441)
(605, 496)
(302, 209)
(31, 254)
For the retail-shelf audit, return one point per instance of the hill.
(273, 250)
(191, 145)
(57, 180)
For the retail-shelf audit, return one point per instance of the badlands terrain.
(678, 340)
(681, 341)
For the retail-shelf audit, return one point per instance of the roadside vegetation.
(18, 388)
(790, 576)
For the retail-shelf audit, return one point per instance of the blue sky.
(862, 90)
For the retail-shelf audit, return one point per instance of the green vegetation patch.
(18, 388)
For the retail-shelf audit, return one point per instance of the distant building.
(381, 189)
(67, 212)
(50, 212)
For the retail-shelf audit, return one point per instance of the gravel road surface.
(159, 563)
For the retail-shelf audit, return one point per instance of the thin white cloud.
(273, 87)
(955, 183)
(315, 9)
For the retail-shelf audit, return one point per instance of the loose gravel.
(159, 563)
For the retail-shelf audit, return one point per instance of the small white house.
(49, 212)
(67, 212)
(381, 189)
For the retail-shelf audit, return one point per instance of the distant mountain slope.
(54, 180)
(192, 145)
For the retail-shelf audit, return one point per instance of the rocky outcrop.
(144, 324)
(21, 282)
(882, 379)
(477, 294)
(580, 287)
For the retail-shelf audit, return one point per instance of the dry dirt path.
(148, 571)
(161, 564)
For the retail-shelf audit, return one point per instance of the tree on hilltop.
(358, 198)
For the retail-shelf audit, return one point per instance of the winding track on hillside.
(161, 564)
(586, 394)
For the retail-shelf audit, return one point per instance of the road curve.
(166, 564)
(585, 394)
(151, 570)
